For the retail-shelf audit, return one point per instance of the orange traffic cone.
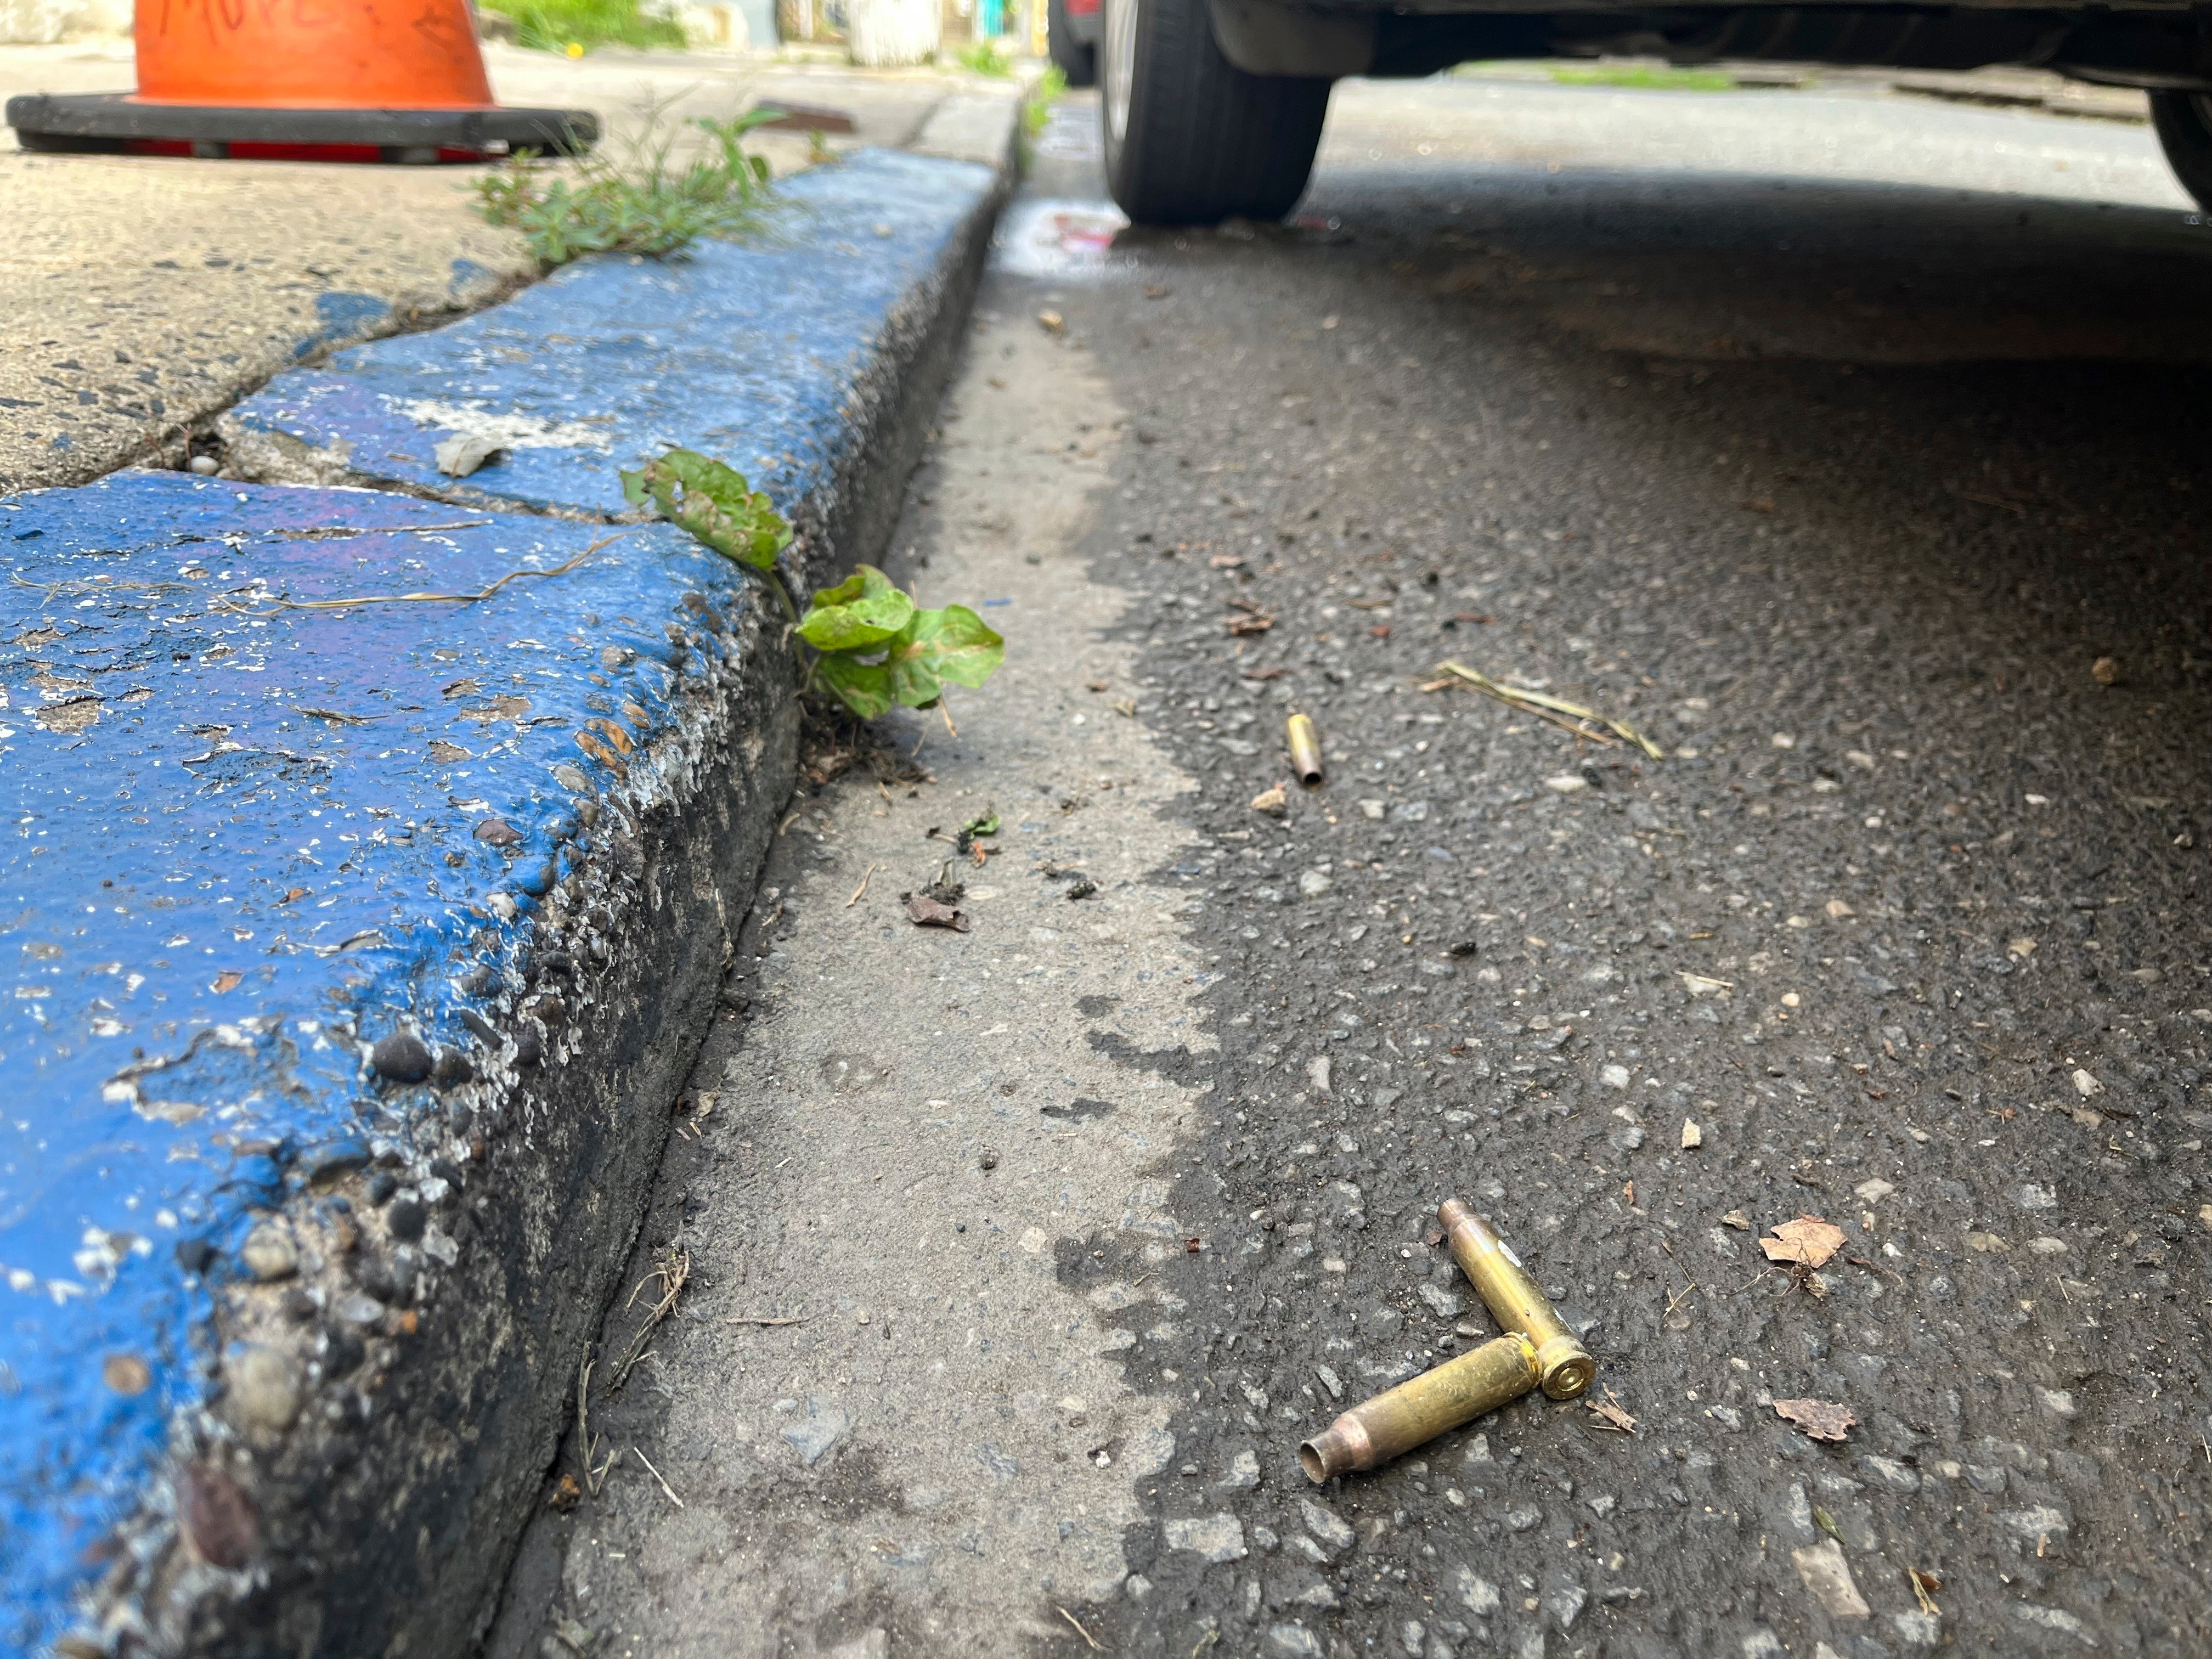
(308, 79)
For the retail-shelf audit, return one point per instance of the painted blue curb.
(353, 956)
(751, 352)
(248, 841)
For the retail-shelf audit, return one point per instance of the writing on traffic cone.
(334, 80)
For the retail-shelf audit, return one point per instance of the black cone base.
(114, 123)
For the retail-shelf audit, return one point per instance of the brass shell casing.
(1565, 1368)
(1418, 1410)
(1305, 749)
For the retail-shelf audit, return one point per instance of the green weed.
(1645, 78)
(984, 58)
(1037, 108)
(873, 649)
(557, 25)
(643, 203)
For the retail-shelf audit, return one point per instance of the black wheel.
(2184, 120)
(1190, 138)
(1077, 62)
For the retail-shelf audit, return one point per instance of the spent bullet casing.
(1564, 1366)
(1305, 749)
(1416, 1412)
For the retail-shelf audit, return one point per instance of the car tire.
(1191, 139)
(2183, 122)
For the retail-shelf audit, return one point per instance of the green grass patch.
(985, 57)
(643, 202)
(1037, 108)
(1646, 77)
(561, 25)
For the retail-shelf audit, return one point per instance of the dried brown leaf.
(1806, 1242)
(1611, 1411)
(927, 911)
(1816, 1418)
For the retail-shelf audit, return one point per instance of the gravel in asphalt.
(1867, 489)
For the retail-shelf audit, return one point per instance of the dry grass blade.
(1079, 1630)
(587, 1446)
(658, 1476)
(1572, 716)
(673, 1271)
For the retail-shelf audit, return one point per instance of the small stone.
(1567, 783)
(1314, 883)
(1243, 1473)
(1476, 1594)
(1523, 1520)
(1136, 1587)
(355, 1308)
(2055, 1619)
(125, 1374)
(1626, 1138)
(1873, 1191)
(2105, 671)
(2031, 1196)
(1565, 1602)
(2087, 1085)
(1274, 802)
(1917, 1629)
(2034, 1524)
(2059, 1402)
(1692, 1136)
(1149, 1451)
(1326, 1525)
(824, 1424)
(407, 1218)
(216, 1517)
(1897, 1476)
(1614, 1077)
(402, 1057)
(1829, 1577)
(1214, 1538)
(268, 1253)
(1441, 1301)
(265, 1386)
(1293, 1642)
(205, 466)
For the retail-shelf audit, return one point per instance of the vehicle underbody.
(2164, 48)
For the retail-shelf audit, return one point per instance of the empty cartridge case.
(1417, 1411)
(1564, 1367)
(1305, 749)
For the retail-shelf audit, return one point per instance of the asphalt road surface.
(1849, 449)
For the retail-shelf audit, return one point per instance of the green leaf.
(713, 502)
(863, 686)
(864, 610)
(951, 644)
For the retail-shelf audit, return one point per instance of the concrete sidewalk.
(116, 348)
(364, 944)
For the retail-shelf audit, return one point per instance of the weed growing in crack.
(646, 203)
(873, 648)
